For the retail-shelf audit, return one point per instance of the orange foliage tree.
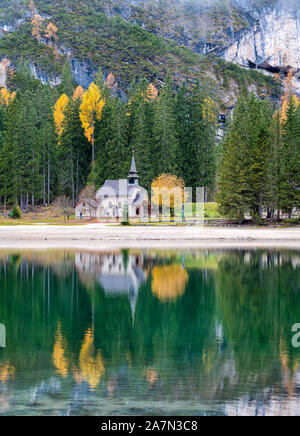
(78, 93)
(37, 27)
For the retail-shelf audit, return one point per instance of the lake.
(151, 332)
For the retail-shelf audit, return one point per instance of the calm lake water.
(150, 332)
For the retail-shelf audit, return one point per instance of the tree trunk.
(44, 180)
(72, 178)
(49, 179)
(77, 177)
(93, 154)
(260, 208)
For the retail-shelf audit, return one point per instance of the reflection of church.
(117, 273)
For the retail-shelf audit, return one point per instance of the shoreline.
(104, 237)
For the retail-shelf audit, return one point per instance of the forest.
(55, 141)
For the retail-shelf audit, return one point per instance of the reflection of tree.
(6, 372)
(169, 281)
(90, 361)
(227, 333)
(59, 359)
(258, 301)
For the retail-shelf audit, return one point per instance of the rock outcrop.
(273, 38)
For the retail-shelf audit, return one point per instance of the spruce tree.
(117, 146)
(164, 131)
(242, 178)
(74, 152)
(290, 159)
(141, 121)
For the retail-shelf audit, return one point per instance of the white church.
(112, 197)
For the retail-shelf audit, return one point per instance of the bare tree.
(88, 194)
(64, 206)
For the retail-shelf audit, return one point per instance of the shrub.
(16, 213)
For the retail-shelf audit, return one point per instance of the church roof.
(121, 188)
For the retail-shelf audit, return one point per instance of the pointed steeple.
(133, 178)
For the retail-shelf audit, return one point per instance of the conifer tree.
(164, 131)
(289, 157)
(140, 112)
(67, 85)
(74, 151)
(242, 179)
(117, 146)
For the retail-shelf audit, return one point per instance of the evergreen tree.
(290, 159)
(117, 146)
(140, 110)
(164, 131)
(67, 84)
(74, 152)
(243, 168)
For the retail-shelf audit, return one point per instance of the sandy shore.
(103, 236)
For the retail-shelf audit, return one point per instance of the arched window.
(137, 211)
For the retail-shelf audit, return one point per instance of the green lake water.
(199, 332)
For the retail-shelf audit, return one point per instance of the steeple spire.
(133, 174)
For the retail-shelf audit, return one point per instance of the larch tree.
(37, 27)
(59, 113)
(91, 111)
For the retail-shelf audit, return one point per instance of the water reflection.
(150, 332)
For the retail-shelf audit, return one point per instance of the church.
(112, 197)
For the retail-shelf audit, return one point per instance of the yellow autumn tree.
(169, 282)
(59, 113)
(6, 97)
(168, 191)
(209, 111)
(90, 112)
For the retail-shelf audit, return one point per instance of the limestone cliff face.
(274, 37)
